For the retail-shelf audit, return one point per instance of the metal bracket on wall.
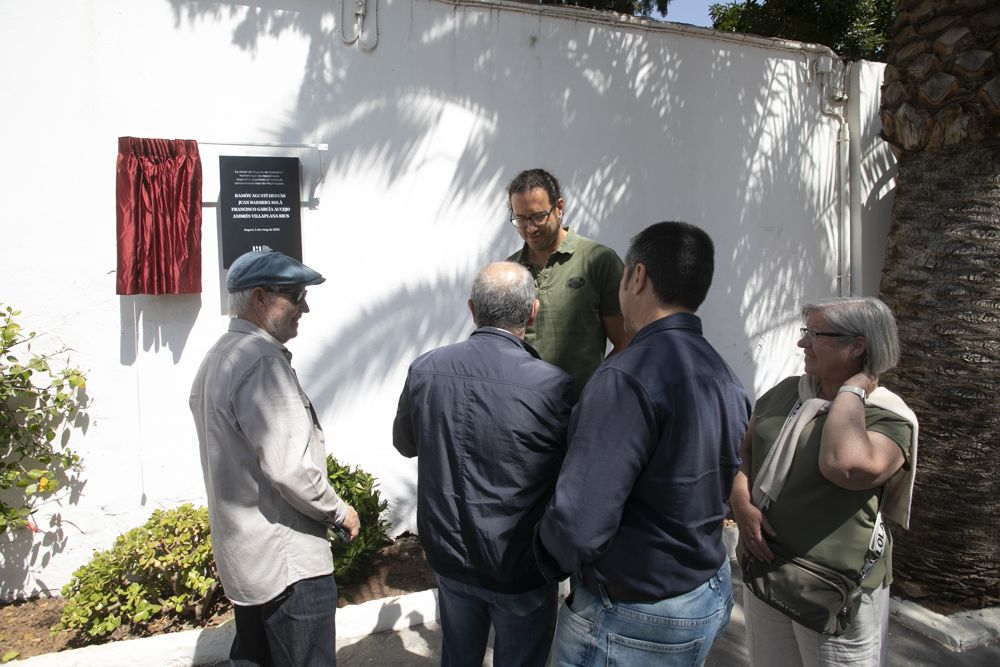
(361, 14)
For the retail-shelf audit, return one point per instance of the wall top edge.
(613, 19)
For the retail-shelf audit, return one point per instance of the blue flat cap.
(260, 268)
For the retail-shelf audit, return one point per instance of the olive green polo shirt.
(813, 516)
(577, 287)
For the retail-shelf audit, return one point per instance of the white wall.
(641, 123)
(875, 177)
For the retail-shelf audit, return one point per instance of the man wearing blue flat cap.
(264, 460)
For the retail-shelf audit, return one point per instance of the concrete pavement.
(419, 646)
(404, 632)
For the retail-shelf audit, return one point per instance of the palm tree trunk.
(942, 280)
(941, 113)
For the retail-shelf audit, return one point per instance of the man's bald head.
(503, 296)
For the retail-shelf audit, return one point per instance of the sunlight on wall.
(423, 135)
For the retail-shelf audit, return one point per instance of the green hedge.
(165, 570)
(352, 562)
(162, 568)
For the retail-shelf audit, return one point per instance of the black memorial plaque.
(259, 205)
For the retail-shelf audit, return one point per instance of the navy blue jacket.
(653, 450)
(486, 419)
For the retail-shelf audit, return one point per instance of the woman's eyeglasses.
(809, 334)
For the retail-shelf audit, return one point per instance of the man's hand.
(351, 522)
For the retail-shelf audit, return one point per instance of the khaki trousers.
(774, 640)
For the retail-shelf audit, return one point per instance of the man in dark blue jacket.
(653, 450)
(487, 420)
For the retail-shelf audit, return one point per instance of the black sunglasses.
(296, 295)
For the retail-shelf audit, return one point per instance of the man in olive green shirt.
(576, 280)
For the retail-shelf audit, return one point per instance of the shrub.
(165, 571)
(162, 569)
(352, 562)
(37, 402)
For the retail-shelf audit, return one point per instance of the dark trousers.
(295, 629)
(523, 624)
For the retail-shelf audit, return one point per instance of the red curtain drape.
(159, 216)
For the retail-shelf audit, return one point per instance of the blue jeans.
(595, 630)
(523, 624)
(295, 628)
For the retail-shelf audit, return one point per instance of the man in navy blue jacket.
(653, 450)
(486, 419)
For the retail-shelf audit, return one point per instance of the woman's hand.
(753, 526)
(750, 521)
(865, 379)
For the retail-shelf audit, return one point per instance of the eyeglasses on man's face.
(811, 335)
(296, 296)
(533, 219)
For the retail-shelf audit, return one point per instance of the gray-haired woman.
(819, 452)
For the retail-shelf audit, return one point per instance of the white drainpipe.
(834, 102)
(856, 189)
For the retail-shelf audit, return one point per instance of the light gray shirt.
(264, 461)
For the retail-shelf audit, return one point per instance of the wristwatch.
(854, 389)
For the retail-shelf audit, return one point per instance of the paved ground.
(420, 647)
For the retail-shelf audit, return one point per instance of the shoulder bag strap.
(876, 546)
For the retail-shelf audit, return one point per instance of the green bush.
(165, 570)
(352, 562)
(37, 404)
(162, 569)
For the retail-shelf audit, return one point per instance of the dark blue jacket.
(653, 450)
(487, 420)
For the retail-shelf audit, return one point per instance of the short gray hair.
(239, 302)
(863, 316)
(502, 295)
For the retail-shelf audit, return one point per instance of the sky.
(694, 12)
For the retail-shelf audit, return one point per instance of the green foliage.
(636, 7)
(38, 402)
(352, 562)
(853, 28)
(165, 571)
(162, 569)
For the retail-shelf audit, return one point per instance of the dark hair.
(530, 179)
(679, 260)
(503, 294)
